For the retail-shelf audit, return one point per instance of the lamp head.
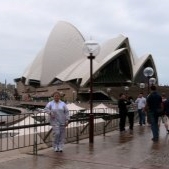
(142, 85)
(91, 47)
(152, 81)
(126, 88)
(148, 72)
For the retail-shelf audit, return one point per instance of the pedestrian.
(59, 118)
(165, 117)
(141, 102)
(162, 117)
(122, 105)
(154, 105)
(130, 113)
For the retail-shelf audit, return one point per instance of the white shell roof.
(110, 46)
(64, 47)
(35, 69)
(63, 58)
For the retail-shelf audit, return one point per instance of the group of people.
(123, 105)
(150, 106)
(155, 107)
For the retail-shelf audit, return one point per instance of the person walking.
(162, 117)
(59, 118)
(130, 113)
(154, 105)
(141, 102)
(165, 117)
(122, 105)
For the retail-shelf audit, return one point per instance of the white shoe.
(56, 149)
(60, 150)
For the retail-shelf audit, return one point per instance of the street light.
(73, 92)
(5, 93)
(142, 86)
(152, 81)
(148, 72)
(91, 49)
(126, 88)
(108, 91)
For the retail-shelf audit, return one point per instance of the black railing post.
(35, 149)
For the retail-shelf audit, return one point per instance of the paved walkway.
(114, 151)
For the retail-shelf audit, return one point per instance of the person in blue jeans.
(141, 102)
(154, 104)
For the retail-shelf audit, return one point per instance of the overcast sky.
(26, 24)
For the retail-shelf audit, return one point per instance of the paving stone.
(114, 151)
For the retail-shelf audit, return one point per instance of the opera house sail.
(62, 62)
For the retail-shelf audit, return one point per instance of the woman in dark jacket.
(122, 105)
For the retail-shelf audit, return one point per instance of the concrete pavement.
(114, 151)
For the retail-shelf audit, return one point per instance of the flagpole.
(5, 92)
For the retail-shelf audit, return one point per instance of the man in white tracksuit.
(59, 118)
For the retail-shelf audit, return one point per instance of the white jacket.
(58, 112)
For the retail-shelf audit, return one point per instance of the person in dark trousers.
(154, 104)
(122, 105)
(130, 113)
(165, 117)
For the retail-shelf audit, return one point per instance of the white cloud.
(26, 25)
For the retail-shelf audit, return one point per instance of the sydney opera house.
(61, 65)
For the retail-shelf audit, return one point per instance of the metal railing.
(31, 131)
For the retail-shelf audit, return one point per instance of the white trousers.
(58, 136)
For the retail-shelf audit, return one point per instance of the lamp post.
(142, 86)
(152, 81)
(73, 92)
(91, 49)
(126, 88)
(108, 91)
(5, 93)
(62, 95)
(148, 72)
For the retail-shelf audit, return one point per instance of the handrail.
(36, 133)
